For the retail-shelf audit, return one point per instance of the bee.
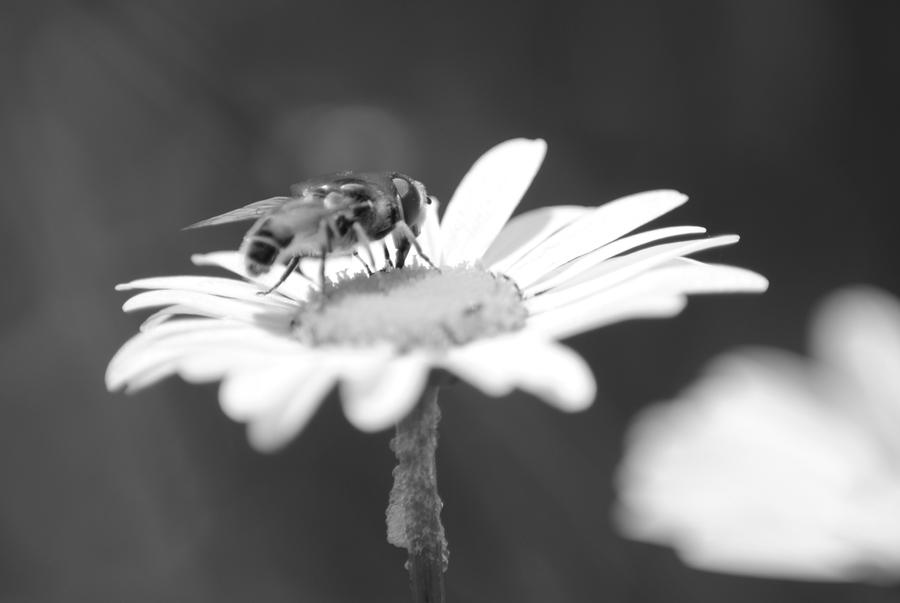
(332, 215)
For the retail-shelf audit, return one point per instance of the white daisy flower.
(777, 466)
(493, 315)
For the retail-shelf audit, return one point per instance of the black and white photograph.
(461, 302)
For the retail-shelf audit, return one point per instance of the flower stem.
(414, 508)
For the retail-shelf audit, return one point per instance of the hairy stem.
(414, 508)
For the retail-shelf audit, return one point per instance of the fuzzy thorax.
(413, 307)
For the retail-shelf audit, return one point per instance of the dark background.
(123, 121)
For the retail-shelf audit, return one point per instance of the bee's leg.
(326, 228)
(299, 270)
(403, 248)
(406, 238)
(388, 262)
(363, 239)
(293, 263)
(363, 262)
(322, 269)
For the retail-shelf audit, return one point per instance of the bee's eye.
(402, 186)
(412, 198)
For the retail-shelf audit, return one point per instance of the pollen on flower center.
(412, 307)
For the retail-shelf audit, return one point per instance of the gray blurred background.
(123, 121)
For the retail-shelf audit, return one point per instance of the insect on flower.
(508, 290)
(331, 214)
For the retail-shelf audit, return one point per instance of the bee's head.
(413, 199)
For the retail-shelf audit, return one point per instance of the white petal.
(382, 395)
(856, 331)
(546, 369)
(254, 390)
(617, 270)
(137, 371)
(690, 276)
(272, 430)
(295, 287)
(163, 351)
(606, 223)
(528, 230)
(222, 287)
(572, 269)
(678, 276)
(206, 365)
(657, 293)
(201, 304)
(177, 327)
(586, 315)
(559, 376)
(810, 552)
(162, 316)
(487, 196)
(483, 364)
(751, 471)
(272, 322)
(128, 362)
(148, 377)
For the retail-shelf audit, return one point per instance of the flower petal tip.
(261, 441)
(382, 398)
(536, 144)
(539, 144)
(130, 388)
(674, 198)
(528, 153)
(111, 382)
(580, 390)
(369, 424)
(761, 284)
(576, 403)
(729, 239)
(211, 258)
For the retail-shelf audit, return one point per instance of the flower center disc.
(412, 307)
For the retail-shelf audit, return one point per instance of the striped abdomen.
(263, 244)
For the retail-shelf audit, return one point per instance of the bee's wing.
(248, 212)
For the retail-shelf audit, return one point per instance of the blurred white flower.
(491, 316)
(773, 465)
